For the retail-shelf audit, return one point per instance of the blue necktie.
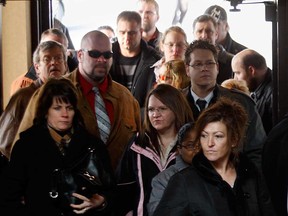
(102, 117)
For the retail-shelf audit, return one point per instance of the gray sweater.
(160, 181)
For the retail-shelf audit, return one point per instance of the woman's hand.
(95, 201)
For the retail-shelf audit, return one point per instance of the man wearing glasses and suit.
(201, 59)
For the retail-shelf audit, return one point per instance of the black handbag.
(86, 177)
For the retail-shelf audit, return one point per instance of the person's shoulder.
(32, 132)
(236, 94)
(72, 75)
(20, 82)
(246, 165)
(149, 52)
(187, 173)
(235, 46)
(166, 174)
(92, 141)
(119, 90)
(185, 91)
(279, 130)
(23, 95)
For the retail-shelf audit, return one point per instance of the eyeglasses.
(208, 65)
(49, 59)
(190, 145)
(97, 54)
(160, 110)
(177, 45)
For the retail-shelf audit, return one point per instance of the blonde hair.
(176, 71)
(176, 29)
(236, 84)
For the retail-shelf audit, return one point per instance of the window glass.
(247, 27)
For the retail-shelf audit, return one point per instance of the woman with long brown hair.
(153, 149)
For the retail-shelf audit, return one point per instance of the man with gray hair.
(49, 60)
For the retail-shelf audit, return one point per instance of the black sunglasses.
(97, 54)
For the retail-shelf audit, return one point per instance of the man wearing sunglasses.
(133, 58)
(95, 60)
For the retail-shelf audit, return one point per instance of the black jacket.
(200, 190)
(139, 165)
(28, 176)
(232, 46)
(144, 77)
(275, 162)
(224, 61)
(255, 134)
(263, 96)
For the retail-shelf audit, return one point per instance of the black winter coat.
(199, 190)
(28, 176)
(275, 161)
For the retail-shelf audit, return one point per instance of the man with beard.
(49, 61)
(250, 66)
(95, 60)
(133, 58)
(149, 12)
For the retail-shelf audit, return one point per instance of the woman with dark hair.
(153, 149)
(221, 179)
(34, 182)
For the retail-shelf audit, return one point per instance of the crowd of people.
(142, 122)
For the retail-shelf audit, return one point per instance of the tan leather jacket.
(12, 116)
(126, 121)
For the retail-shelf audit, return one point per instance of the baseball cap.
(217, 12)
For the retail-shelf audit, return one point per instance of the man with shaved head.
(95, 60)
(250, 66)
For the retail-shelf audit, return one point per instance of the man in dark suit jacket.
(201, 59)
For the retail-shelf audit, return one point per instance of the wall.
(16, 43)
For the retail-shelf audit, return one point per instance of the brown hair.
(47, 45)
(62, 90)
(233, 115)
(130, 16)
(175, 101)
(176, 29)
